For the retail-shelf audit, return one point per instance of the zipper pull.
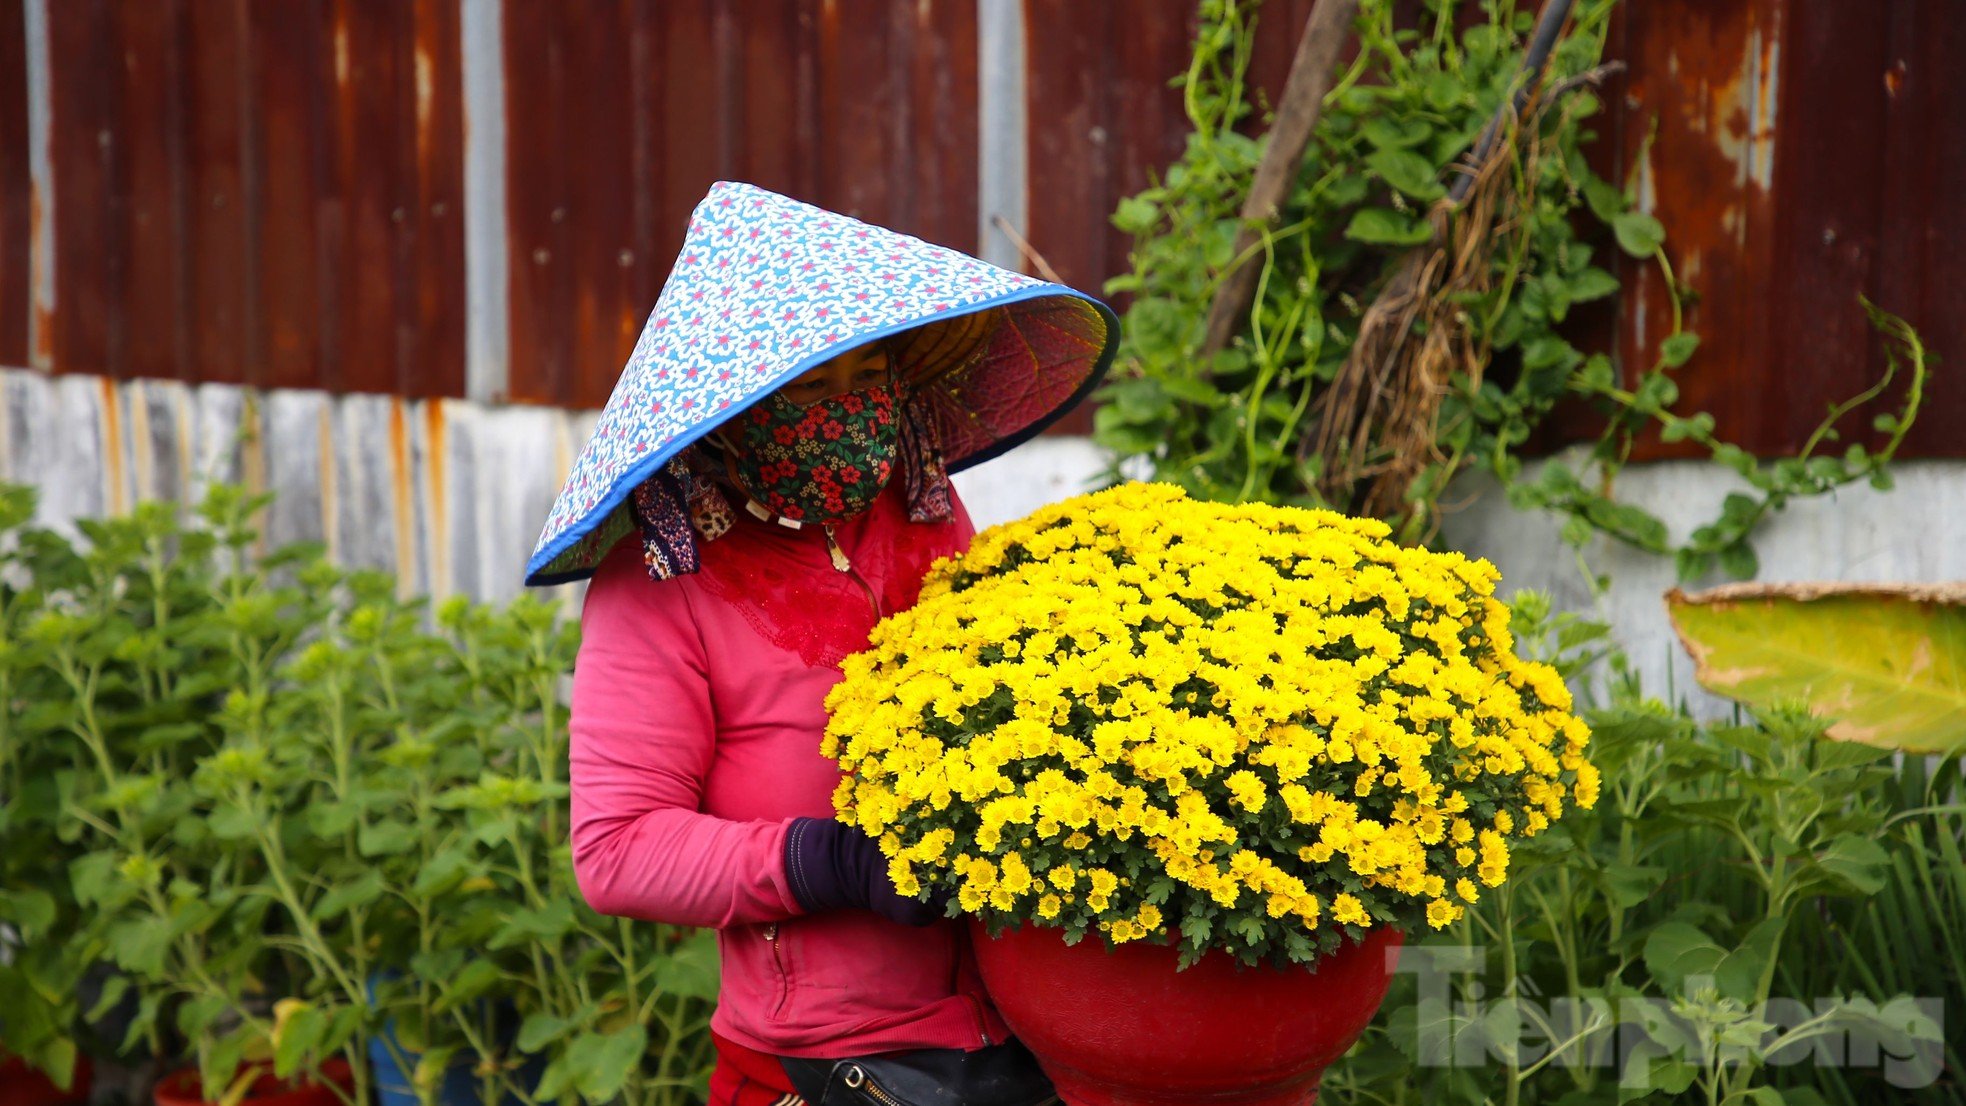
(834, 551)
(771, 931)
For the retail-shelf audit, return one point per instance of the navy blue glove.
(834, 866)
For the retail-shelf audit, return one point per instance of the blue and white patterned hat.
(767, 287)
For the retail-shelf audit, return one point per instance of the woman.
(775, 523)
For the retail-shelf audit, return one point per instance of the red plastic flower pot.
(1123, 1027)
(22, 1084)
(182, 1088)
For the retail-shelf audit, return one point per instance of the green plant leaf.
(603, 1062)
(232, 822)
(1629, 885)
(1885, 664)
(541, 1029)
(472, 980)
(1136, 215)
(690, 968)
(29, 911)
(300, 1032)
(443, 872)
(386, 838)
(348, 894)
(1380, 226)
(1738, 976)
(1859, 864)
(1407, 171)
(1676, 950)
(1591, 284)
(1639, 234)
(1385, 130)
(1678, 349)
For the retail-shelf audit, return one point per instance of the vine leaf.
(1639, 234)
(1380, 226)
(1407, 171)
(1886, 664)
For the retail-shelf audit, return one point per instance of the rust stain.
(402, 495)
(426, 84)
(438, 498)
(341, 48)
(1765, 53)
(1699, 142)
(143, 483)
(113, 470)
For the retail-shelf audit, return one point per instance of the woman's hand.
(834, 866)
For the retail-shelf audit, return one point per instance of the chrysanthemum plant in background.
(1134, 713)
(276, 809)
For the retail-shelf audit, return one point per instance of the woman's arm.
(643, 735)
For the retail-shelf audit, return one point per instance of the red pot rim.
(1382, 932)
(183, 1088)
(27, 1084)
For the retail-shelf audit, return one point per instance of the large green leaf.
(1885, 663)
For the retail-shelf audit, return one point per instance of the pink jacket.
(697, 713)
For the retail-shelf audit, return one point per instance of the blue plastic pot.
(396, 1087)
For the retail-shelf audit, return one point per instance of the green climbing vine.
(1371, 194)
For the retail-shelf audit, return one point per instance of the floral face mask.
(823, 462)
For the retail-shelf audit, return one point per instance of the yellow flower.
(1131, 676)
(1494, 858)
(1245, 790)
(1347, 909)
(1441, 913)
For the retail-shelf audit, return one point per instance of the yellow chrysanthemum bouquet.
(1266, 727)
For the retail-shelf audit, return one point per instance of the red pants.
(746, 1077)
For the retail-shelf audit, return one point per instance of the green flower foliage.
(258, 808)
(1752, 913)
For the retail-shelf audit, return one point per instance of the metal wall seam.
(40, 129)
(1002, 184)
(487, 290)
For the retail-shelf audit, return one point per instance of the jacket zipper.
(976, 1007)
(841, 563)
(955, 974)
(873, 1089)
(778, 961)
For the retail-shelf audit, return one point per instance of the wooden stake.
(1311, 73)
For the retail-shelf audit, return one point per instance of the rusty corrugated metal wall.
(265, 193)
(1105, 121)
(16, 188)
(1799, 153)
(619, 117)
(273, 192)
